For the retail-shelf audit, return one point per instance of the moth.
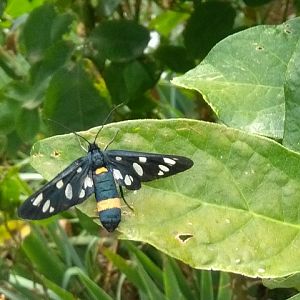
(101, 172)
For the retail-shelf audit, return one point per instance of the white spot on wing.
(138, 169)
(118, 158)
(69, 191)
(37, 201)
(51, 210)
(127, 180)
(88, 182)
(160, 173)
(59, 184)
(143, 159)
(82, 193)
(46, 206)
(117, 174)
(164, 168)
(79, 170)
(169, 161)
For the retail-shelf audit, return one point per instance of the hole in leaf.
(55, 153)
(184, 237)
(259, 48)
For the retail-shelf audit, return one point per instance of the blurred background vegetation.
(72, 61)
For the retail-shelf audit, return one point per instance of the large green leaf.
(243, 77)
(235, 210)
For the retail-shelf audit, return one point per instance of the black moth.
(100, 172)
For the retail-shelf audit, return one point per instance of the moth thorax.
(97, 159)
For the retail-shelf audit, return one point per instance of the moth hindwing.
(100, 172)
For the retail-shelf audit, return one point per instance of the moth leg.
(111, 141)
(122, 196)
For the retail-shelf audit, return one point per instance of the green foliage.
(249, 80)
(235, 210)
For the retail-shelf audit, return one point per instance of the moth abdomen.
(108, 201)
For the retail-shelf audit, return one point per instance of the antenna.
(65, 127)
(106, 119)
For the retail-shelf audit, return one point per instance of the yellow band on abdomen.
(101, 170)
(108, 203)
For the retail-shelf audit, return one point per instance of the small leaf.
(27, 124)
(121, 40)
(16, 8)
(175, 57)
(43, 28)
(165, 22)
(129, 81)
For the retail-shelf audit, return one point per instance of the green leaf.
(150, 267)
(54, 58)
(2, 7)
(208, 24)
(152, 291)
(60, 292)
(292, 94)
(172, 288)
(43, 28)
(183, 280)
(14, 65)
(27, 124)
(128, 81)
(121, 40)
(206, 287)
(291, 281)
(175, 58)
(224, 289)
(12, 188)
(16, 8)
(94, 291)
(73, 100)
(43, 258)
(8, 110)
(127, 268)
(167, 21)
(296, 297)
(243, 77)
(235, 210)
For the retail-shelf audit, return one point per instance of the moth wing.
(70, 187)
(130, 168)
